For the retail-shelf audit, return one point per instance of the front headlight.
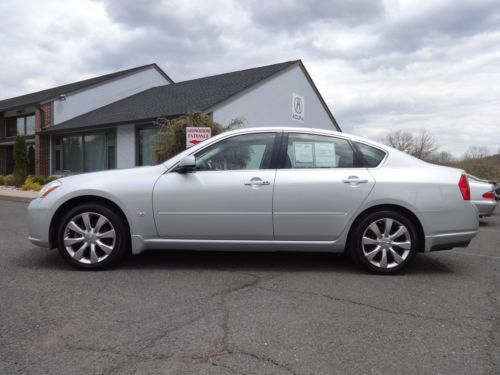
(47, 189)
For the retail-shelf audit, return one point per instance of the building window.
(72, 154)
(23, 125)
(145, 155)
(85, 152)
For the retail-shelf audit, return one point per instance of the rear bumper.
(485, 208)
(448, 241)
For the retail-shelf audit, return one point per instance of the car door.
(319, 187)
(227, 197)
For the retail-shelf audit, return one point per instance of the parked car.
(483, 195)
(271, 189)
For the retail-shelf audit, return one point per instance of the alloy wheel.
(386, 243)
(89, 237)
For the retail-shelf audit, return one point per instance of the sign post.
(195, 135)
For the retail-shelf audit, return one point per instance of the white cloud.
(381, 66)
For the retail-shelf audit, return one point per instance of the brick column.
(3, 149)
(43, 118)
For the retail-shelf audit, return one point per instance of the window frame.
(275, 146)
(274, 155)
(25, 125)
(55, 147)
(358, 163)
(362, 158)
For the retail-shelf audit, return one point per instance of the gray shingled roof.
(40, 96)
(174, 99)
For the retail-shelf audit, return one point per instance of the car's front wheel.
(384, 242)
(92, 236)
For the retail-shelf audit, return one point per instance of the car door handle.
(256, 181)
(354, 180)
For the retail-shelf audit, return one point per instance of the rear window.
(371, 155)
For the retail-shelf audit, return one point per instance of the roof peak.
(46, 94)
(290, 62)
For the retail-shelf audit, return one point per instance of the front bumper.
(38, 220)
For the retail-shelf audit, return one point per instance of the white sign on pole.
(298, 107)
(195, 135)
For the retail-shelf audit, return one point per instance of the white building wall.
(270, 103)
(97, 96)
(125, 146)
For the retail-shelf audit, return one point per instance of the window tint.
(145, 143)
(372, 156)
(23, 125)
(317, 151)
(30, 125)
(248, 151)
(11, 127)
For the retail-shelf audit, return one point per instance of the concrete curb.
(15, 199)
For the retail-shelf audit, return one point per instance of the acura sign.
(298, 109)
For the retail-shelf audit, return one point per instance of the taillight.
(489, 195)
(463, 185)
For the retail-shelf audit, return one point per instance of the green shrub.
(9, 180)
(171, 136)
(30, 184)
(42, 180)
(1, 180)
(20, 160)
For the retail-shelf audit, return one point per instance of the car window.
(372, 156)
(317, 151)
(247, 151)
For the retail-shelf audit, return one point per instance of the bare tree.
(475, 152)
(442, 158)
(400, 140)
(424, 145)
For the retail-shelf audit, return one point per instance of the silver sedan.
(271, 189)
(482, 195)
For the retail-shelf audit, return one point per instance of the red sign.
(195, 135)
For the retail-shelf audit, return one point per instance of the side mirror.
(187, 164)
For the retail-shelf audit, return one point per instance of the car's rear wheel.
(384, 242)
(92, 236)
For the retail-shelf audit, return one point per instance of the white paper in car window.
(304, 153)
(325, 155)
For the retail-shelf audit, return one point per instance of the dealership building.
(107, 122)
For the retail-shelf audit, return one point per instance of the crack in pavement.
(220, 347)
(373, 307)
(234, 371)
(265, 359)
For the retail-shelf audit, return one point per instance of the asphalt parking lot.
(247, 313)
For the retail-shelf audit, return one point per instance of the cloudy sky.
(380, 65)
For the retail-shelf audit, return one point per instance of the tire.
(382, 252)
(93, 237)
